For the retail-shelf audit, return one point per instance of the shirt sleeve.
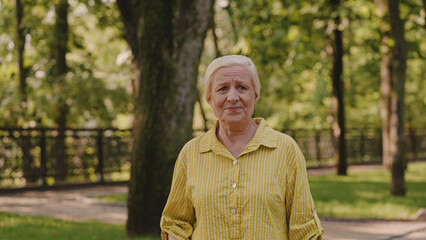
(178, 214)
(303, 221)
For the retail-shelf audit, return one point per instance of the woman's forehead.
(236, 72)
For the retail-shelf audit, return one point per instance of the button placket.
(235, 213)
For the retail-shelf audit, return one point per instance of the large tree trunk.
(392, 90)
(166, 38)
(60, 70)
(338, 105)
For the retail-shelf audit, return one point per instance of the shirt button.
(234, 185)
(233, 211)
(235, 162)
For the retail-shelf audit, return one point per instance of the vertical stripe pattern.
(262, 194)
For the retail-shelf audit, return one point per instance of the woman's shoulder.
(281, 137)
(193, 143)
(284, 140)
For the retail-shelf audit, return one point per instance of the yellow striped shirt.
(262, 194)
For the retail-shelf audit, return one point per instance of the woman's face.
(232, 95)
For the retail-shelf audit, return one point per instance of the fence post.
(43, 157)
(100, 156)
(361, 146)
(413, 141)
(380, 145)
(317, 147)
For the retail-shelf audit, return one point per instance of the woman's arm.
(178, 215)
(170, 237)
(302, 218)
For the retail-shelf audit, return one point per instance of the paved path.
(79, 205)
(71, 204)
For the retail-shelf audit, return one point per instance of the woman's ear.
(209, 100)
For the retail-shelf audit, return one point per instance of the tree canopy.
(287, 40)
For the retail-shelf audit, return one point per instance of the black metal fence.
(27, 156)
(362, 145)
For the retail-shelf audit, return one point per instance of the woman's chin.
(235, 120)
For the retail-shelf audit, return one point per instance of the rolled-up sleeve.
(178, 215)
(301, 215)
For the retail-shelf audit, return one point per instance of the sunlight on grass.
(14, 226)
(367, 195)
(360, 194)
(115, 198)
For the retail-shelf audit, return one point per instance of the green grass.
(14, 226)
(115, 198)
(367, 195)
(360, 194)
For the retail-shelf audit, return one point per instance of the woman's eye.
(222, 89)
(242, 88)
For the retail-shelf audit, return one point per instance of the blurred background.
(67, 73)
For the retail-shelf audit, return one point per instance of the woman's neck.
(235, 138)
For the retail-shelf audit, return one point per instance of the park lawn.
(114, 198)
(14, 226)
(360, 195)
(367, 195)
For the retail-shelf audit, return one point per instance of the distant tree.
(166, 38)
(338, 125)
(20, 44)
(424, 10)
(60, 69)
(392, 88)
(28, 167)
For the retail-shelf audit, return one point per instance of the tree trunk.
(338, 105)
(24, 142)
(215, 39)
(20, 46)
(424, 10)
(392, 86)
(60, 70)
(166, 38)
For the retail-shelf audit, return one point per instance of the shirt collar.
(264, 135)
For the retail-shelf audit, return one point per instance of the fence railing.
(47, 156)
(362, 145)
(30, 156)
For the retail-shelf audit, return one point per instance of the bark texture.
(392, 88)
(166, 38)
(60, 70)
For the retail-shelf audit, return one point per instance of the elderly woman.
(241, 179)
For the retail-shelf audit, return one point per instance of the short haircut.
(227, 61)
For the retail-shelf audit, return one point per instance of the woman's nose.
(232, 95)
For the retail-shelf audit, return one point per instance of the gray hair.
(227, 61)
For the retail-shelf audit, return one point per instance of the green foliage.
(288, 42)
(97, 87)
(286, 39)
(366, 194)
(14, 226)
